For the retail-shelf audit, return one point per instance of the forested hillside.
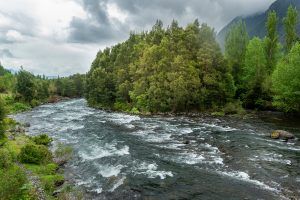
(256, 23)
(177, 69)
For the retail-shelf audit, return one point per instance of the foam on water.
(219, 128)
(243, 176)
(121, 119)
(150, 170)
(96, 152)
(107, 171)
(271, 157)
(190, 158)
(185, 130)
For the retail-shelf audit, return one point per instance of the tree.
(25, 85)
(254, 73)
(2, 116)
(235, 49)
(271, 42)
(290, 24)
(286, 81)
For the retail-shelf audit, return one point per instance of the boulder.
(280, 134)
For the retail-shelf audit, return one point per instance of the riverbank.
(30, 169)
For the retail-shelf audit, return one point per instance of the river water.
(120, 156)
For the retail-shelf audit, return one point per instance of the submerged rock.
(280, 134)
(186, 142)
(26, 125)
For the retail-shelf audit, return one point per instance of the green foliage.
(7, 80)
(2, 116)
(12, 181)
(5, 159)
(19, 107)
(48, 169)
(254, 74)
(50, 181)
(35, 154)
(290, 24)
(286, 81)
(42, 139)
(234, 108)
(25, 85)
(173, 69)
(271, 42)
(235, 49)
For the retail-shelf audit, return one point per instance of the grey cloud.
(142, 14)
(24, 24)
(96, 28)
(5, 53)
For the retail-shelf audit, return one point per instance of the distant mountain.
(256, 23)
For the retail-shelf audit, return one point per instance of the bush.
(5, 159)
(12, 181)
(9, 122)
(42, 139)
(35, 103)
(122, 106)
(50, 182)
(234, 108)
(19, 107)
(35, 154)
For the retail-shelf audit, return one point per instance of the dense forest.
(178, 69)
(24, 90)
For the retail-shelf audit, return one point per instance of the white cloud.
(14, 36)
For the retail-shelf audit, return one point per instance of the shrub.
(234, 108)
(5, 159)
(35, 154)
(50, 182)
(42, 139)
(19, 107)
(12, 181)
(122, 106)
(9, 122)
(35, 103)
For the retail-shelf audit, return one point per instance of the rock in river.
(280, 134)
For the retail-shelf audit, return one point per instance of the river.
(120, 156)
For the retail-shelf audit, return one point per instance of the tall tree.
(254, 73)
(25, 85)
(290, 24)
(271, 41)
(235, 49)
(286, 81)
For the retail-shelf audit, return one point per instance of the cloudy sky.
(62, 37)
